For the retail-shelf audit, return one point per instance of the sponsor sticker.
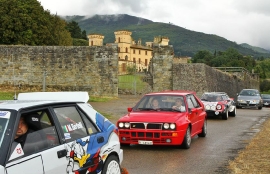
(67, 136)
(4, 114)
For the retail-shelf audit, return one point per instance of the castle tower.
(162, 40)
(95, 39)
(124, 40)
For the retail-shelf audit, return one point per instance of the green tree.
(75, 30)
(26, 22)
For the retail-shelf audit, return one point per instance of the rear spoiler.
(60, 96)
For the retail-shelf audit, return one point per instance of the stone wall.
(95, 69)
(92, 69)
(202, 78)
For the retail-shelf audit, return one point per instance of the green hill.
(185, 42)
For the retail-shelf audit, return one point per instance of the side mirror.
(237, 94)
(129, 109)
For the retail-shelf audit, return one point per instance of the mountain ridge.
(185, 42)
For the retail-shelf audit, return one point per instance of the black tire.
(187, 139)
(233, 113)
(111, 166)
(204, 129)
(260, 107)
(225, 115)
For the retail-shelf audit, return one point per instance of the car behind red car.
(164, 118)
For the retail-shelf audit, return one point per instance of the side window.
(35, 132)
(71, 123)
(194, 101)
(91, 128)
(190, 104)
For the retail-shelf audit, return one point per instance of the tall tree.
(26, 22)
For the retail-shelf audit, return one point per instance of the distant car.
(218, 104)
(266, 100)
(146, 124)
(67, 135)
(249, 98)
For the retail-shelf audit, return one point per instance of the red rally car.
(164, 118)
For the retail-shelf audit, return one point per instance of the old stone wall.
(92, 69)
(202, 78)
(95, 69)
(161, 67)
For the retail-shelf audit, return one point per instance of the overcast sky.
(241, 21)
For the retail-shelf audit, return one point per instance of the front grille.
(146, 134)
(157, 126)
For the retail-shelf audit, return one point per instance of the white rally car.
(67, 136)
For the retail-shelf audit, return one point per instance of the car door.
(195, 115)
(80, 152)
(30, 157)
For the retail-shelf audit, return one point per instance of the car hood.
(241, 97)
(157, 116)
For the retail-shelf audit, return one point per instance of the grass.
(128, 82)
(255, 157)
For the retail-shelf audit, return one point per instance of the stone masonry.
(95, 69)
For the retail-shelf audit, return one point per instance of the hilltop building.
(130, 53)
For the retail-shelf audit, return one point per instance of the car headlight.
(121, 124)
(213, 108)
(127, 125)
(166, 125)
(172, 126)
(207, 107)
(219, 107)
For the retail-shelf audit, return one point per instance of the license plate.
(145, 142)
(266, 103)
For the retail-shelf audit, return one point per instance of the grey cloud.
(251, 6)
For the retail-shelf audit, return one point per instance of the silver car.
(249, 98)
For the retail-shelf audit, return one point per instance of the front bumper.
(151, 137)
(212, 113)
(248, 104)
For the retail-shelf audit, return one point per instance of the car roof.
(175, 92)
(215, 93)
(26, 100)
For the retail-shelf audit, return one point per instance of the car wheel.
(233, 113)
(238, 107)
(187, 139)
(260, 107)
(111, 166)
(204, 130)
(225, 115)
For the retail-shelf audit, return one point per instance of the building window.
(134, 51)
(139, 60)
(118, 49)
(126, 49)
(145, 52)
(134, 60)
(146, 62)
(92, 43)
(119, 40)
(139, 51)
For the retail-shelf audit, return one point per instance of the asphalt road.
(206, 155)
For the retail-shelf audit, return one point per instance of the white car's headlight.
(207, 107)
(213, 108)
(219, 107)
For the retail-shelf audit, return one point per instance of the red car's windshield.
(161, 102)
